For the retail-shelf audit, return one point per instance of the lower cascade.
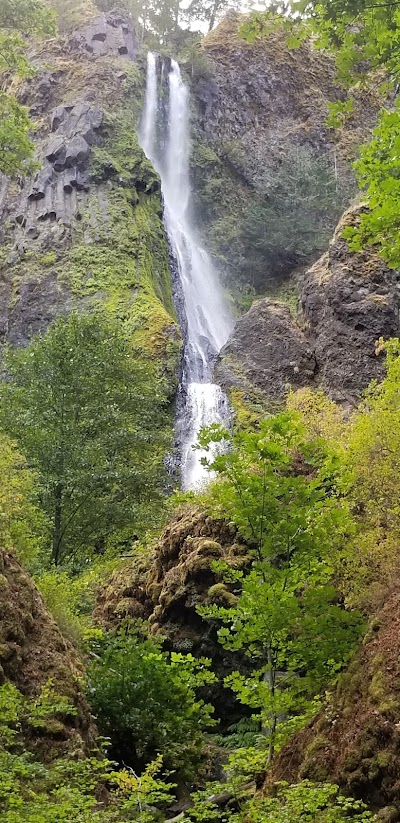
(203, 312)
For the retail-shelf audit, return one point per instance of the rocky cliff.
(347, 302)
(86, 230)
(261, 112)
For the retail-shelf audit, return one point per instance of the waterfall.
(205, 318)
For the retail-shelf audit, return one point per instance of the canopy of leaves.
(282, 494)
(68, 788)
(88, 415)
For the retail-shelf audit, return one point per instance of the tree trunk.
(213, 14)
(57, 523)
(269, 678)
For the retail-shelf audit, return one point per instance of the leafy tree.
(146, 700)
(23, 525)
(89, 417)
(281, 493)
(372, 460)
(378, 170)
(210, 12)
(17, 19)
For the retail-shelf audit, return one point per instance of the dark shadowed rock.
(349, 301)
(268, 350)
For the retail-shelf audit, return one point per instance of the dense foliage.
(87, 413)
(147, 701)
(18, 19)
(291, 216)
(283, 494)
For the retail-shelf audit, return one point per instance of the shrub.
(146, 700)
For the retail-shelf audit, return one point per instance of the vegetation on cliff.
(231, 653)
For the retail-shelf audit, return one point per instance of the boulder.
(269, 350)
(33, 652)
(349, 300)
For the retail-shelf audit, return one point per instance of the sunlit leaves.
(279, 489)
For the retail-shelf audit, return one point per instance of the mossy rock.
(220, 594)
(210, 548)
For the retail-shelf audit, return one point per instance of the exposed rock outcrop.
(348, 301)
(33, 654)
(257, 103)
(267, 350)
(86, 230)
(107, 34)
(355, 741)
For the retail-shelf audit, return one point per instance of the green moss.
(48, 259)
(377, 688)
(220, 594)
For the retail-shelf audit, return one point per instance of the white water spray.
(207, 319)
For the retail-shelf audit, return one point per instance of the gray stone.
(267, 350)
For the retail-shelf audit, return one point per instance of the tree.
(372, 461)
(18, 18)
(281, 493)
(157, 21)
(147, 700)
(89, 417)
(292, 215)
(22, 523)
(210, 12)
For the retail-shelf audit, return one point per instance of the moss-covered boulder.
(165, 588)
(35, 656)
(355, 741)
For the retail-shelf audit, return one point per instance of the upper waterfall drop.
(205, 319)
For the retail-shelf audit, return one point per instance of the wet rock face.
(257, 104)
(65, 159)
(268, 350)
(348, 301)
(33, 652)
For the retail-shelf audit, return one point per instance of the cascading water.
(206, 319)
